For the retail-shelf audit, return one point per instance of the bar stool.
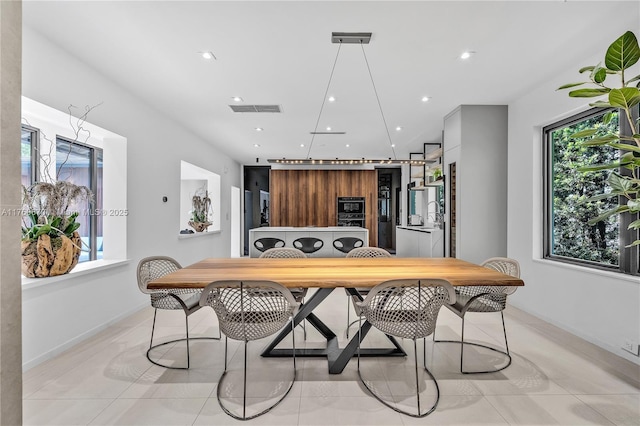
(264, 244)
(308, 245)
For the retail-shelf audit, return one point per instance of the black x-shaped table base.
(336, 356)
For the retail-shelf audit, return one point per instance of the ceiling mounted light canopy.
(341, 38)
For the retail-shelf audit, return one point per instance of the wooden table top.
(332, 272)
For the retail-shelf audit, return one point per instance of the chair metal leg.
(187, 339)
(415, 356)
(244, 379)
(463, 343)
(186, 323)
(419, 413)
(244, 386)
(153, 327)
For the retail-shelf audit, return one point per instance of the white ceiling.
(281, 53)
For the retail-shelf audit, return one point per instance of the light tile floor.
(555, 378)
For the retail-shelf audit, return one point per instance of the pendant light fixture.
(341, 38)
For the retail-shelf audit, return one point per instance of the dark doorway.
(256, 200)
(388, 207)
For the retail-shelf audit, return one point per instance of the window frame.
(628, 259)
(93, 186)
(35, 148)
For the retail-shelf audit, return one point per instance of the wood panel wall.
(309, 197)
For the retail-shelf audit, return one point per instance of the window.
(29, 155)
(567, 235)
(82, 165)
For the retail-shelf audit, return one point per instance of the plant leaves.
(584, 133)
(603, 140)
(626, 97)
(606, 119)
(588, 68)
(600, 104)
(601, 197)
(589, 93)
(634, 206)
(634, 225)
(606, 214)
(567, 86)
(637, 77)
(598, 75)
(597, 167)
(622, 53)
(625, 146)
(633, 244)
(71, 228)
(619, 183)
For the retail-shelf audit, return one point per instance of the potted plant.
(201, 211)
(51, 244)
(621, 55)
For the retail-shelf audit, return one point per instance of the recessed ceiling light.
(332, 98)
(347, 145)
(255, 145)
(328, 128)
(393, 145)
(398, 128)
(208, 55)
(301, 145)
(259, 129)
(466, 55)
(237, 99)
(425, 99)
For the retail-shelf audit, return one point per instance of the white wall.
(58, 315)
(603, 308)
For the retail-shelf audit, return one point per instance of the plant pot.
(48, 257)
(199, 226)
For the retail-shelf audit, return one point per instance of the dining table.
(327, 274)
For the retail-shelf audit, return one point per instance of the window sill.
(197, 234)
(590, 271)
(80, 269)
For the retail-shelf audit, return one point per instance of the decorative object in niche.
(51, 244)
(198, 182)
(201, 211)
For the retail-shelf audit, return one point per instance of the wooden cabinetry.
(309, 197)
(475, 156)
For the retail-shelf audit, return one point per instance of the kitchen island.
(290, 234)
(419, 241)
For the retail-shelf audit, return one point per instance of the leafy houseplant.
(51, 244)
(200, 212)
(621, 55)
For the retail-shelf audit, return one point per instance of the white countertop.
(420, 228)
(309, 228)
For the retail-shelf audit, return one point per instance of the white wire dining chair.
(484, 299)
(407, 309)
(361, 252)
(247, 311)
(188, 300)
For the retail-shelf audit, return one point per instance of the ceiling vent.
(255, 108)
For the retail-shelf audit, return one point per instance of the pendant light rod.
(324, 99)
(384, 121)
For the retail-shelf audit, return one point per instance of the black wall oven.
(351, 211)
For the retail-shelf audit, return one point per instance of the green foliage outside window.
(572, 235)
